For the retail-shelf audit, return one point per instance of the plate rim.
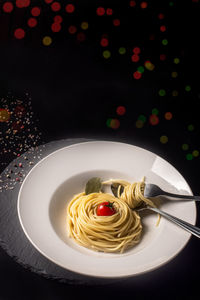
(138, 273)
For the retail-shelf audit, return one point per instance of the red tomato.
(105, 209)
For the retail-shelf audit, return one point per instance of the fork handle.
(185, 225)
(188, 197)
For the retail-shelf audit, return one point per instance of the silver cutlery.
(185, 225)
(152, 190)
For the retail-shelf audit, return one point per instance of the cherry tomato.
(105, 209)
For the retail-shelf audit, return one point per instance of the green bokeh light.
(142, 118)
(162, 92)
(185, 147)
(190, 127)
(155, 111)
(106, 54)
(188, 88)
(141, 69)
(189, 156)
(176, 60)
(122, 50)
(164, 42)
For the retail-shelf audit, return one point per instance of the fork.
(152, 190)
(183, 224)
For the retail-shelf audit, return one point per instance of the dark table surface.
(122, 70)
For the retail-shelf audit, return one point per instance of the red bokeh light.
(162, 57)
(116, 22)
(137, 75)
(55, 6)
(70, 8)
(58, 19)
(136, 50)
(109, 11)
(80, 36)
(153, 119)
(104, 42)
(48, 1)
(35, 11)
(100, 11)
(135, 58)
(7, 7)
(144, 4)
(32, 22)
(132, 3)
(19, 33)
(161, 16)
(121, 110)
(56, 27)
(22, 3)
(163, 28)
(72, 29)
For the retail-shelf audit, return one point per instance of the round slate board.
(12, 237)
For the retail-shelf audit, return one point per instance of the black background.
(74, 91)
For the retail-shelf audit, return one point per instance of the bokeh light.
(153, 119)
(58, 19)
(72, 29)
(162, 92)
(136, 50)
(149, 66)
(4, 115)
(162, 57)
(188, 88)
(7, 7)
(165, 42)
(185, 147)
(190, 127)
(175, 93)
(70, 8)
(143, 4)
(106, 54)
(163, 139)
(155, 111)
(176, 60)
(121, 110)
(162, 28)
(142, 118)
(56, 27)
(47, 40)
(116, 22)
(195, 153)
(55, 6)
(100, 11)
(109, 11)
(137, 75)
(168, 115)
(139, 123)
(32, 22)
(104, 42)
(114, 123)
(189, 156)
(19, 33)
(174, 74)
(35, 11)
(135, 58)
(22, 3)
(132, 3)
(122, 50)
(84, 25)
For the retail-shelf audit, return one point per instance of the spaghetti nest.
(113, 233)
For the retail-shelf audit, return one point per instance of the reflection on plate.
(51, 184)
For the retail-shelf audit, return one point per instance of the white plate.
(50, 185)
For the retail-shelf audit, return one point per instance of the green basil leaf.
(93, 185)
